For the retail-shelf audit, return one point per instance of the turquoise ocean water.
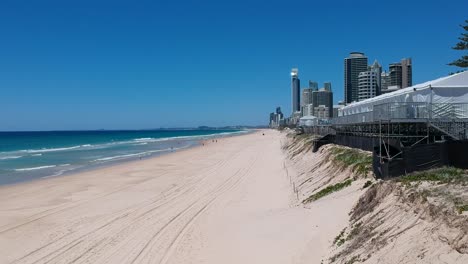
(26, 156)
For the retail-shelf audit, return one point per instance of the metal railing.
(401, 111)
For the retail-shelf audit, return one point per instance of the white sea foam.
(118, 157)
(141, 154)
(10, 157)
(36, 168)
(60, 172)
(36, 155)
(143, 139)
(49, 149)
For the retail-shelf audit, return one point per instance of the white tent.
(451, 90)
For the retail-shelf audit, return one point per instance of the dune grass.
(359, 161)
(440, 175)
(462, 208)
(330, 189)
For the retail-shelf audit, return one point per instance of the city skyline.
(120, 65)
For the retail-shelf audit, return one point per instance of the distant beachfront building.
(295, 118)
(313, 85)
(323, 112)
(369, 82)
(401, 74)
(367, 85)
(384, 81)
(336, 108)
(272, 119)
(276, 118)
(306, 99)
(295, 91)
(278, 111)
(353, 65)
(314, 100)
(306, 96)
(323, 98)
(308, 110)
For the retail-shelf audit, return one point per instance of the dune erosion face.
(390, 222)
(313, 172)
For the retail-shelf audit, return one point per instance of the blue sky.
(149, 64)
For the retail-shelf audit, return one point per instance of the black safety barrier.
(403, 160)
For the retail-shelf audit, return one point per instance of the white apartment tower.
(369, 82)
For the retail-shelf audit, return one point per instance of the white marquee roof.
(453, 88)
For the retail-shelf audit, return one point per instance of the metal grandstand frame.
(409, 123)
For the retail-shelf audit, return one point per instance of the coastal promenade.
(228, 201)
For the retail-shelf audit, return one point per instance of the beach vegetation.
(339, 239)
(367, 184)
(354, 231)
(354, 259)
(462, 208)
(359, 161)
(439, 175)
(328, 190)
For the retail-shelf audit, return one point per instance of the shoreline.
(96, 167)
(223, 202)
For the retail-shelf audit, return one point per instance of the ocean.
(26, 156)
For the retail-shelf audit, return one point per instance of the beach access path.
(228, 201)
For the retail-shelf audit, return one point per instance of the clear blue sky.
(148, 64)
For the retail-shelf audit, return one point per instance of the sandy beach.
(229, 201)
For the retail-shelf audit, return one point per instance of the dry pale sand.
(225, 202)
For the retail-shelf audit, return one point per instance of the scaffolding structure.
(402, 124)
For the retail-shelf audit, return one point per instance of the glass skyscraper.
(295, 91)
(353, 65)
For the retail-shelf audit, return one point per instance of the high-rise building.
(308, 110)
(395, 74)
(384, 81)
(353, 65)
(401, 74)
(313, 85)
(306, 96)
(367, 85)
(406, 73)
(272, 119)
(327, 86)
(295, 91)
(276, 118)
(369, 82)
(278, 111)
(306, 99)
(323, 98)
